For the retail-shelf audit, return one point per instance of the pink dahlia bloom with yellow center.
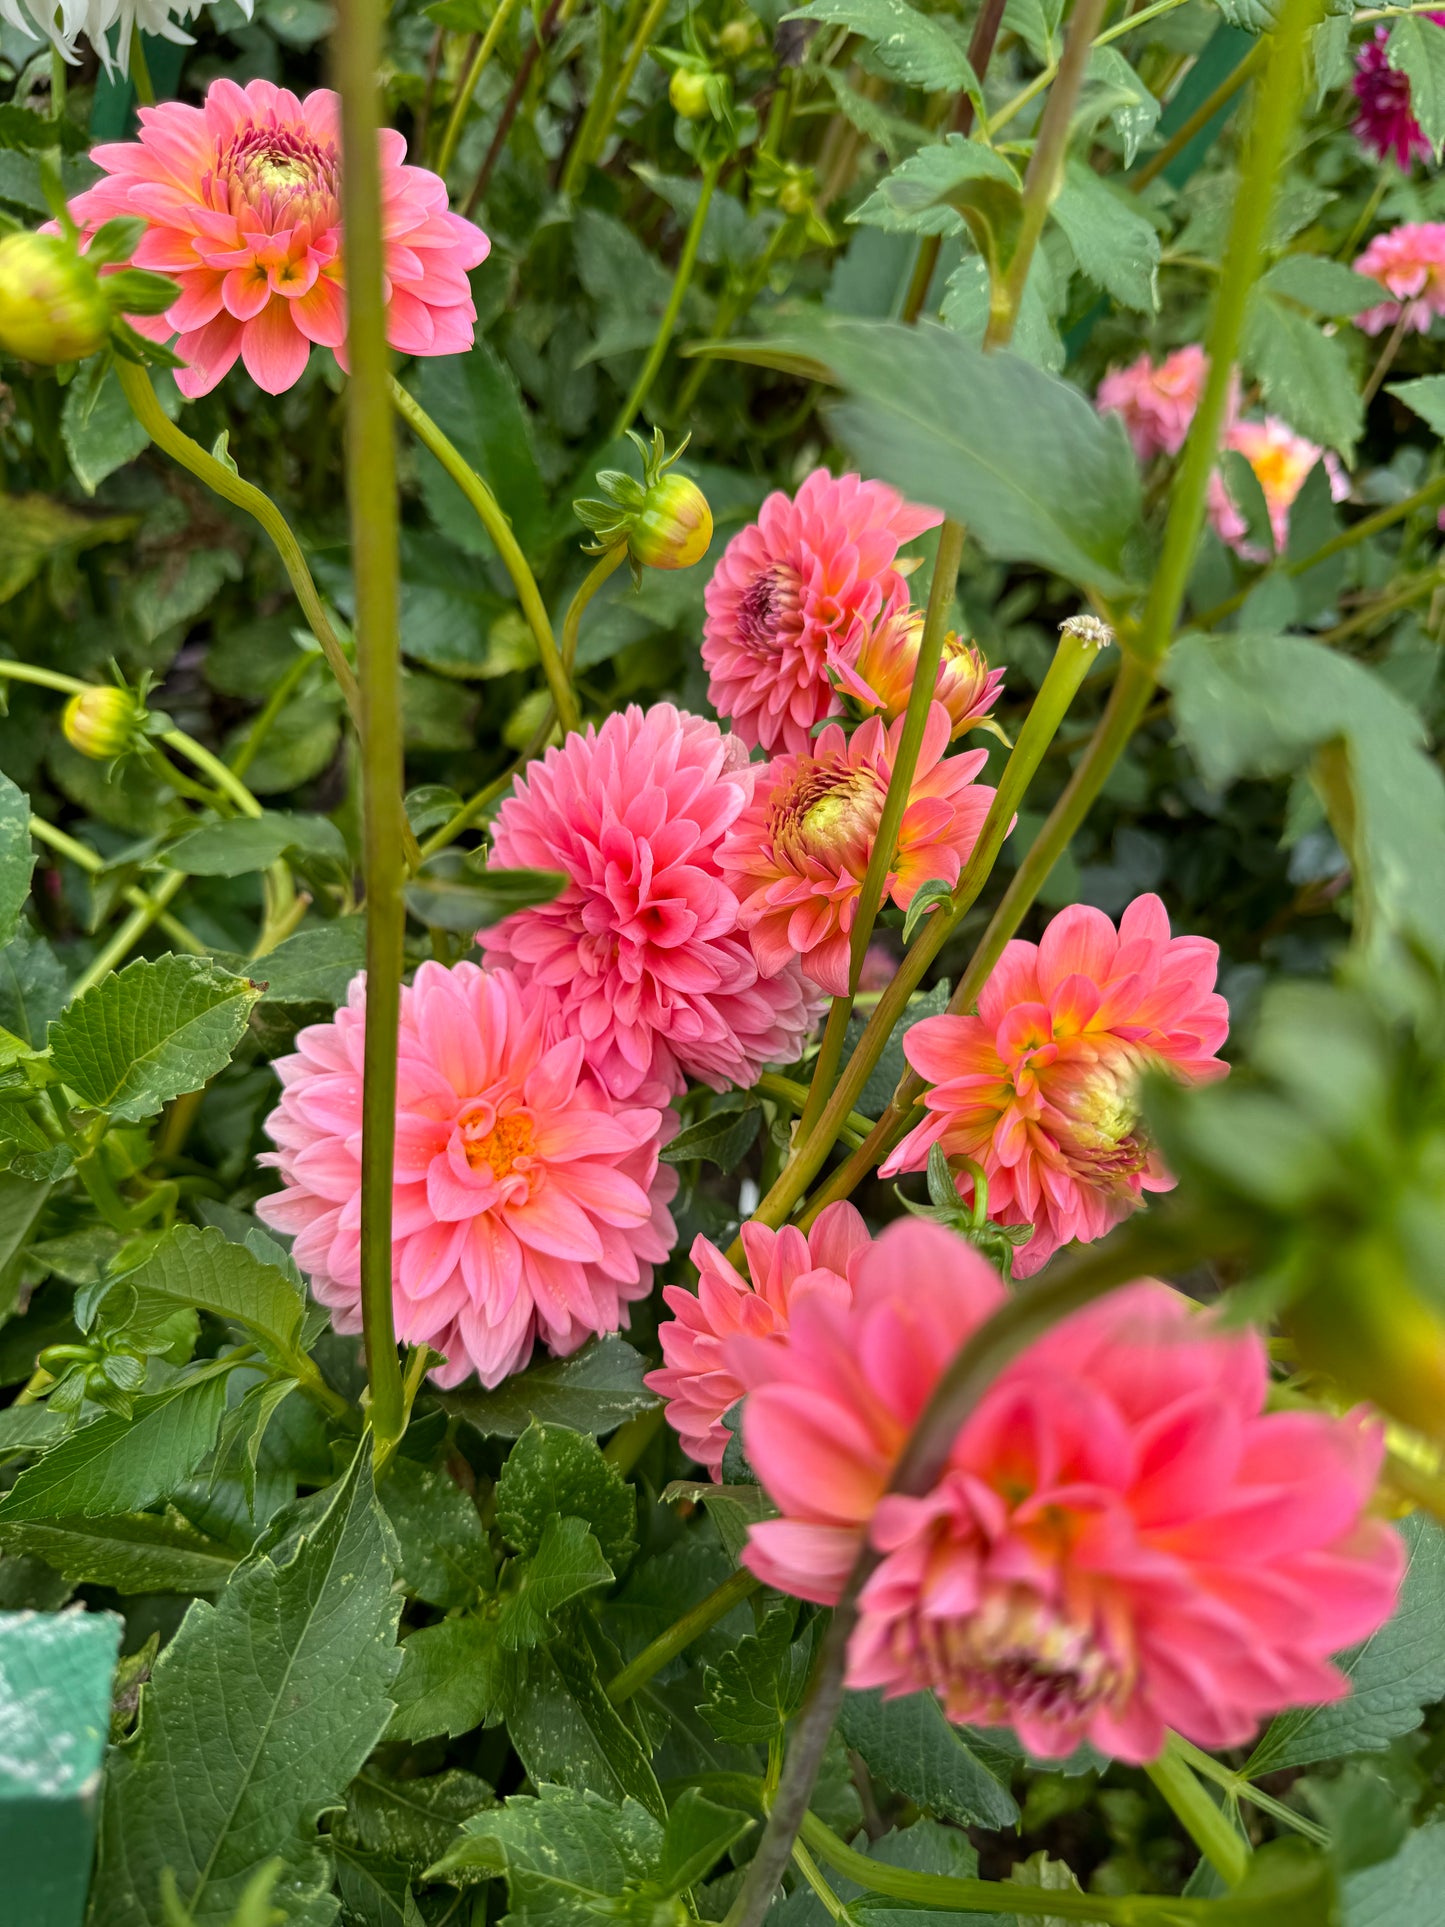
(1123, 1540)
(242, 204)
(697, 1381)
(644, 947)
(527, 1202)
(1281, 461)
(798, 854)
(1156, 401)
(875, 672)
(805, 575)
(1409, 262)
(1040, 1089)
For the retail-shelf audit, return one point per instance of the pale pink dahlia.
(1156, 403)
(527, 1202)
(1040, 1089)
(242, 204)
(798, 854)
(1281, 461)
(1385, 124)
(875, 671)
(1123, 1541)
(644, 946)
(797, 580)
(1409, 262)
(697, 1380)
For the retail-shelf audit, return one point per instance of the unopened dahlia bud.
(52, 308)
(875, 670)
(688, 92)
(664, 519)
(739, 37)
(101, 723)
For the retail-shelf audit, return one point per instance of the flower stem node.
(52, 306)
(664, 519)
(103, 723)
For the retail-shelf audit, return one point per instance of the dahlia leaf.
(1307, 375)
(450, 895)
(1405, 1891)
(553, 1473)
(568, 1563)
(912, 1747)
(454, 1676)
(134, 1552)
(1324, 286)
(17, 856)
(698, 1834)
(566, 1729)
(731, 1508)
(594, 1391)
(1116, 247)
(445, 1557)
(567, 1856)
(1426, 397)
(152, 1032)
(476, 398)
(202, 1269)
(292, 1665)
(753, 1691)
(924, 50)
(1417, 50)
(723, 1137)
(925, 194)
(245, 844)
(411, 1820)
(883, 1079)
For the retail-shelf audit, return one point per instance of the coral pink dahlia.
(696, 1380)
(1281, 461)
(1385, 124)
(1123, 1540)
(527, 1202)
(644, 946)
(1409, 262)
(1155, 403)
(875, 672)
(241, 200)
(799, 852)
(1040, 1088)
(796, 581)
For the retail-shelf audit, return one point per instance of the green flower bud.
(674, 526)
(738, 37)
(52, 308)
(687, 90)
(101, 722)
(793, 196)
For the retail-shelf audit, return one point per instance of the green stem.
(1140, 178)
(604, 566)
(150, 906)
(681, 280)
(58, 84)
(825, 1066)
(1383, 606)
(794, 1096)
(371, 493)
(243, 495)
(693, 1624)
(631, 1440)
(731, 310)
(1202, 1818)
(651, 21)
(224, 779)
(284, 910)
(494, 521)
(265, 722)
(1237, 1787)
(43, 678)
(140, 73)
(808, 1867)
(468, 88)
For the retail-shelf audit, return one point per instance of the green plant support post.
(55, 1675)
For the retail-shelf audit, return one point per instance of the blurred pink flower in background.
(1155, 401)
(1123, 1540)
(644, 947)
(875, 671)
(1385, 123)
(527, 1203)
(696, 1380)
(802, 577)
(1410, 262)
(1281, 461)
(798, 854)
(1040, 1089)
(242, 204)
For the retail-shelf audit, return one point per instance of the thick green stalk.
(468, 88)
(680, 1635)
(1036, 86)
(605, 565)
(681, 280)
(1201, 1816)
(492, 518)
(243, 495)
(140, 73)
(371, 495)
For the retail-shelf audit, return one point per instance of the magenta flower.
(1385, 124)
(875, 672)
(697, 1380)
(1156, 403)
(798, 854)
(792, 584)
(1409, 262)
(1040, 1088)
(527, 1203)
(1123, 1540)
(242, 205)
(645, 947)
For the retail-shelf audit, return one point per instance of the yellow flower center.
(510, 1138)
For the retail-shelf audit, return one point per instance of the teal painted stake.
(55, 1677)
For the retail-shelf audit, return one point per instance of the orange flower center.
(1016, 1654)
(829, 813)
(280, 176)
(510, 1138)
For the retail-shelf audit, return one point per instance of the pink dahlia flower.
(1040, 1088)
(1409, 261)
(796, 581)
(798, 854)
(1156, 403)
(1385, 124)
(875, 672)
(241, 200)
(527, 1203)
(1281, 461)
(696, 1380)
(1123, 1539)
(644, 946)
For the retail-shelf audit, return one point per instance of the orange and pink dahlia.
(1156, 403)
(875, 672)
(644, 947)
(697, 1381)
(527, 1203)
(242, 204)
(1040, 1089)
(1409, 263)
(802, 578)
(1123, 1540)
(798, 853)
(1281, 461)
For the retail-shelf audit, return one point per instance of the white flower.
(64, 24)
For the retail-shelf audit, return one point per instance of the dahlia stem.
(604, 566)
(1239, 1788)
(87, 860)
(1140, 178)
(681, 280)
(651, 21)
(243, 495)
(492, 518)
(371, 493)
(1036, 86)
(458, 117)
(737, 1587)
(286, 687)
(1387, 356)
(808, 1867)
(1200, 1815)
(140, 73)
(793, 1096)
(508, 114)
(128, 936)
(284, 909)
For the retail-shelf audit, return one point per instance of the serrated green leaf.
(291, 1665)
(927, 897)
(1113, 243)
(724, 1137)
(411, 1820)
(375, 1889)
(555, 1473)
(133, 1553)
(470, 901)
(476, 399)
(1306, 374)
(152, 1032)
(567, 1856)
(565, 1728)
(21, 1202)
(922, 195)
(754, 1690)
(243, 844)
(1417, 50)
(1425, 396)
(592, 1391)
(1405, 1891)
(445, 1558)
(202, 1269)
(17, 856)
(32, 986)
(1326, 286)
(912, 1747)
(732, 1509)
(30, 1428)
(315, 966)
(925, 50)
(454, 1676)
(697, 1836)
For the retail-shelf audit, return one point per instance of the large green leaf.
(1405, 1891)
(476, 401)
(568, 1857)
(565, 1728)
(1306, 374)
(552, 1473)
(1417, 50)
(150, 1033)
(910, 1745)
(413, 1820)
(1113, 243)
(202, 1268)
(927, 50)
(445, 1557)
(244, 844)
(134, 1552)
(17, 855)
(592, 1391)
(923, 194)
(260, 1711)
(755, 1689)
(1426, 396)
